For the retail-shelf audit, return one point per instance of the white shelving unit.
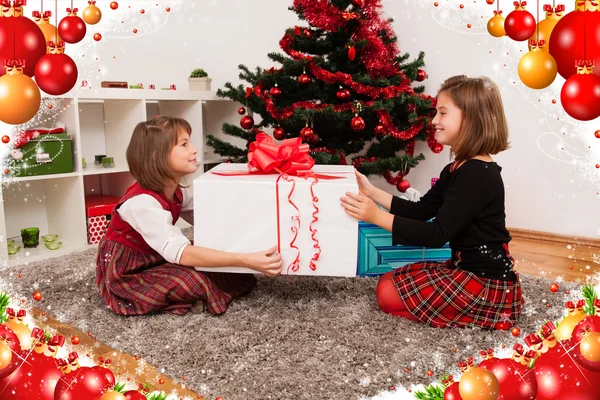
(100, 122)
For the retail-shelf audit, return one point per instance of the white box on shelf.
(247, 213)
(200, 83)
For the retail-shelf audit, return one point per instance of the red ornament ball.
(56, 74)
(452, 393)
(6, 172)
(275, 91)
(134, 395)
(72, 29)
(168, 9)
(21, 39)
(142, 11)
(554, 288)
(403, 185)
(429, 373)
(490, 2)
(597, 134)
(519, 25)
(515, 331)
(247, 122)
(307, 133)
(134, 30)
(469, 26)
(279, 133)
(343, 94)
(97, 37)
(379, 131)
(575, 37)
(580, 96)
(114, 5)
(436, 4)
(75, 339)
(421, 75)
(5, 139)
(37, 296)
(304, 79)
(462, 6)
(241, 110)
(357, 124)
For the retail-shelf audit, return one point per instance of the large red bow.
(290, 157)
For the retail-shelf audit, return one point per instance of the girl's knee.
(388, 297)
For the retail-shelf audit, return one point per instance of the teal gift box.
(47, 154)
(377, 255)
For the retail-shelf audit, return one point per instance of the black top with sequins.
(467, 207)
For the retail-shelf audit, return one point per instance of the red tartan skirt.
(441, 296)
(135, 283)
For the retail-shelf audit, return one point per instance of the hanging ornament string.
(537, 27)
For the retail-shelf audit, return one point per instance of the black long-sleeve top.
(468, 206)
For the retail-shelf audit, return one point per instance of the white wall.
(548, 189)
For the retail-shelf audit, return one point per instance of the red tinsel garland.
(378, 57)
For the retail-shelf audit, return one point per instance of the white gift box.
(241, 214)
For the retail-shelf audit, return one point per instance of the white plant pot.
(200, 83)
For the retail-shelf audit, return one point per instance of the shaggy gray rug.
(291, 338)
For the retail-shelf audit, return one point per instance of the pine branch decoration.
(157, 396)
(431, 392)
(120, 387)
(4, 302)
(590, 295)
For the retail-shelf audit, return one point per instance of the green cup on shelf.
(108, 162)
(98, 158)
(30, 237)
(83, 163)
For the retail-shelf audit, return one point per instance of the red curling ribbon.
(313, 231)
(497, 12)
(38, 334)
(10, 312)
(72, 11)
(21, 315)
(295, 265)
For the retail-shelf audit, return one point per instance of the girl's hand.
(360, 207)
(268, 262)
(364, 186)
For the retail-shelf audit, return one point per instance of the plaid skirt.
(135, 283)
(441, 296)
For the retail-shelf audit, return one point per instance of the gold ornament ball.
(22, 332)
(479, 384)
(537, 69)
(495, 26)
(92, 15)
(590, 347)
(50, 34)
(564, 330)
(545, 28)
(5, 355)
(112, 395)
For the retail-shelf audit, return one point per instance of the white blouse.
(145, 214)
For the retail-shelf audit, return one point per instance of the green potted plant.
(199, 80)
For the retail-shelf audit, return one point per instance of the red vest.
(120, 231)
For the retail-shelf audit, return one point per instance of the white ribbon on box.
(239, 213)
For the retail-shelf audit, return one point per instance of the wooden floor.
(552, 259)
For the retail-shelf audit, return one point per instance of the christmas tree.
(343, 87)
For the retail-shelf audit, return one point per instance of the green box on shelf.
(376, 255)
(47, 154)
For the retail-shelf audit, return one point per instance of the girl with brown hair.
(144, 262)
(477, 286)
